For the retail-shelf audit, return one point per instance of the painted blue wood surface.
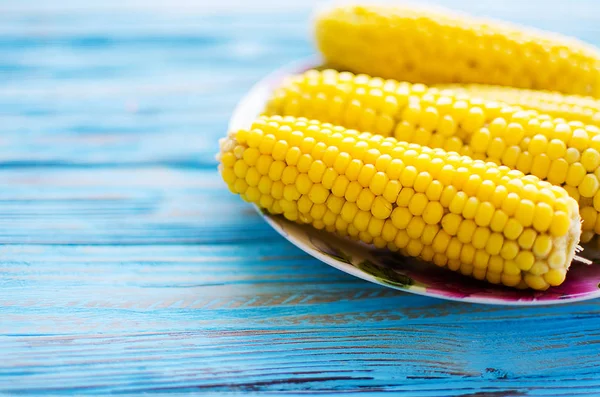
(127, 267)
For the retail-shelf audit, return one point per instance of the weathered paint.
(126, 266)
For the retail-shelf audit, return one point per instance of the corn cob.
(483, 220)
(565, 154)
(440, 46)
(555, 104)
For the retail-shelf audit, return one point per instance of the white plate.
(396, 271)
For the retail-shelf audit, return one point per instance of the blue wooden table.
(127, 267)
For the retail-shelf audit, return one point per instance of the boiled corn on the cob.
(563, 153)
(567, 107)
(483, 220)
(441, 46)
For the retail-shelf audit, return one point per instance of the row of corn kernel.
(567, 107)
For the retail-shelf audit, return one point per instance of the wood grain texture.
(127, 267)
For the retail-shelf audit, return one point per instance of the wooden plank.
(127, 267)
(260, 317)
(123, 206)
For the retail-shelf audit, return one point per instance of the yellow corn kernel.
(536, 282)
(555, 277)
